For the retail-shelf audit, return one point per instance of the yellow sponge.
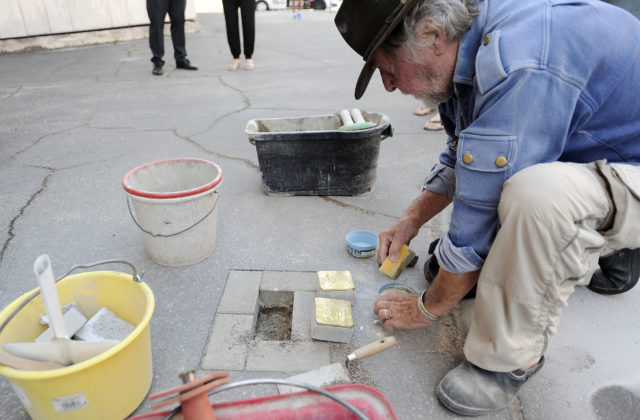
(393, 269)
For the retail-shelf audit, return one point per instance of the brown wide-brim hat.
(365, 25)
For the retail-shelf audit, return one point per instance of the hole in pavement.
(274, 316)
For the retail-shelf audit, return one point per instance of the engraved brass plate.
(334, 312)
(332, 281)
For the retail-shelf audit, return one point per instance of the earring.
(440, 52)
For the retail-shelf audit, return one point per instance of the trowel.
(371, 349)
(338, 372)
(60, 349)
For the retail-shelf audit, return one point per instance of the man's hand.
(399, 310)
(427, 205)
(392, 239)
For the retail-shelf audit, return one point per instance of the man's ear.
(430, 34)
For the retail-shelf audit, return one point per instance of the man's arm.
(447, 290)
(426, 206)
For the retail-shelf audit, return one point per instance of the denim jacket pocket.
(484, 163)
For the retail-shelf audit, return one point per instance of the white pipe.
(357, 116)
(44, 274)
(345, 116)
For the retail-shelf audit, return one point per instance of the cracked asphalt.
(75, 120)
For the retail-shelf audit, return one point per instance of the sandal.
(434, 124)
(248, 64)
(420, 111)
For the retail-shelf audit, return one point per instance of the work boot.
(431, 268)
(618, 272)
(472, 391)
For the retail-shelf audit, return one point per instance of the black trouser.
(157, 10)
(247, 10)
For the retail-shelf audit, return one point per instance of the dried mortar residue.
(452, 332)
(356, 369)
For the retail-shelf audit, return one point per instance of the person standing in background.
(157, 10)
(434, 123)
(298, 4)
(247, 12)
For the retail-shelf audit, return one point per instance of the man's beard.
(437, 88)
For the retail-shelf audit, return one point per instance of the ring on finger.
(386, 314)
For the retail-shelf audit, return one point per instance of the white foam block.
(73, 321)
(44, 319)
(104, 325)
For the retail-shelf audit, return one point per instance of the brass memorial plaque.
(334, 312)
(331, 281)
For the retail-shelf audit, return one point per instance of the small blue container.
(362, 243)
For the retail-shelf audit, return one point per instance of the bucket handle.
(135, 277)
(160, 235)
(387, 132)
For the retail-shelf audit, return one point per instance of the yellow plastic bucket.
(109, 386)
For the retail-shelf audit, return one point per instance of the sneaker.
(473, 391)
(248, 64)
(235, 64)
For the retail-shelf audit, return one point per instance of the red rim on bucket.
(174, 194)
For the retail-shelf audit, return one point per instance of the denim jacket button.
(501, 161)
(467, 158)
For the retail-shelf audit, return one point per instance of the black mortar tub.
(312, 156)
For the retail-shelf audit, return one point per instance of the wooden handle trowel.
(337, 373)
(371, 349)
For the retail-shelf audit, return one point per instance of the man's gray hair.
(455, 17)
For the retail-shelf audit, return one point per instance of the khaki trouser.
(556, 219)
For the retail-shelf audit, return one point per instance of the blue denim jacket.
(535, 81)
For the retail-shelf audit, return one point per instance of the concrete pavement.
(74, 121)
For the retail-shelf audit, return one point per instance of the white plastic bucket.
(174, 203)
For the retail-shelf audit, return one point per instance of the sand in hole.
(274, 323)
